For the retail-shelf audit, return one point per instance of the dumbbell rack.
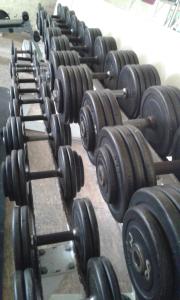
(60, 252)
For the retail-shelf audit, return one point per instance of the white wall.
(152, 42)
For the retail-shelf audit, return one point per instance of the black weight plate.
(20, 132)
(68, 136)
(74, 25)
(72, 80)
(147, 255)
(116, 112)
(157, 103)
(14, 133)
(85, 82)
(134, 155)
(168, 217)
(22, 177)
(18, 285)
(98, 280)
(16, 108)
(16, 239)
(62, 131)
(29, 282)
(11, 109)
(128, 79)
(80, 171)
(83, 242)
(145, 156)
(12, 48)
(141, 79)
(176, 102)
(107, 108)
(8, 178)
(56, 134)
(49, 109)
(4, 180)
(121, 166)
(9, 134)
(11, 93)
(57, 95)
(90, 35)
(173, 193)
(5, 140)
(65, 181)
(26, 234)
(81, 31)
(16, 177)
(72, 171)
(87, 128)
(66, 94)
(113, 67)
(94, 227)
(79, 95)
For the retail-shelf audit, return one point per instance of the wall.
(15, 7)
(152, 42)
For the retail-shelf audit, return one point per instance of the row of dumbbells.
(17, 186)
(127, 175)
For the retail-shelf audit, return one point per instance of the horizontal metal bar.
(53, 238)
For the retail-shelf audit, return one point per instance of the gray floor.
(48, 206)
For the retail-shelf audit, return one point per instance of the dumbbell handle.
(43, 174)
(34, 118)
(53, 238)
(23, 51)
(18, 65)
(28, 90)
(142, 123)
(36, 138)
(25, 70)
(24, 58)
(167, 167)
(31, 101)
(26, 80)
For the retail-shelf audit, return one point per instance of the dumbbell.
(16, 174)
(151, 242)
(100, 49)
(124, 164)
(158, 120)
(15, 52)
(84, 233)
(99, 270)
(131, 81)
(16, 67)
(15, 137)
(56, 41)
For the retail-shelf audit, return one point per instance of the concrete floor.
(50, 216)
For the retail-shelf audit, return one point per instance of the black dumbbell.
(56, 41)
(158, 120)
(16, 68)
(124, 164)
(84, 233)
(102, 46)
(15, 52)
(151, 242)
(130, 82)
(99, 270)
(16, 174)
(15, 137)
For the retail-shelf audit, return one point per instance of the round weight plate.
(22, 177)
(80, 171)
(64, 166)
(65, 94)
(14, 133)
(116, 194)
(74, 25)
(49, 109)
(156, 103)
(16, 238)
(102, 280)
(26, 233)
(84, 241)
(9, 134)
(16, 177)
(20, 132)
(168, 218)
(128, 80)
(16, 108)
(5, 140)
(173, 193)
(18, 285)
(73, 171)
(8, 179)
(30, 287)
(90, 35)
(147, 255)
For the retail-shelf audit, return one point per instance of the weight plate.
(64, 166)
(18, 285)
(115, 108)
(16, 239)
(73, 171)
(173, 193)
(168, 218)
(102, 280)
(22, 178)
(49, 109)
(16, 108)
(128, 79)
(14, 133)
(9, 134)
(56, 134)
(65, 95)
(74, 25)
(80, 171)
(26, 234)
(16, 177)
(90, 35)
(86, 128)
(157, 103)
(72, 81)
(147, 255)
(84, 241)
(5, 140)
(8, 179)
(29, 282)
(115, 189)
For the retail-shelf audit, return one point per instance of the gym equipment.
(56, 41)
(151, 234)
(72, 82)
(84, 232)
(159, 117)
(103, 47)
(124, 164)
(15, 137)
(16, 174)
